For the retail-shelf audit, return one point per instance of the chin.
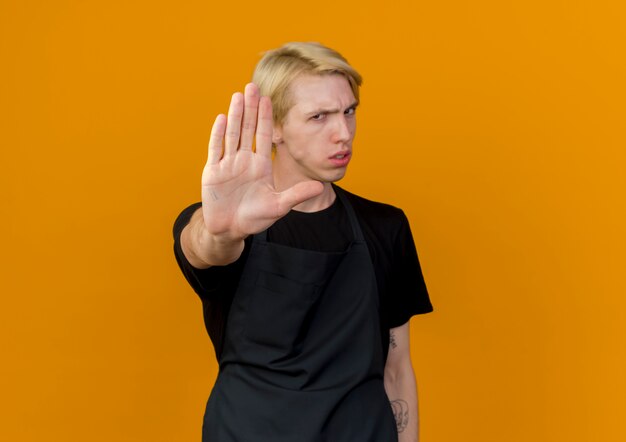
(332, 177)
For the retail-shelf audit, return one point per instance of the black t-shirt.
(401, 286)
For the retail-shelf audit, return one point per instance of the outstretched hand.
(238, 194)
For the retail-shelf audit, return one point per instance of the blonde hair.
(275, 72)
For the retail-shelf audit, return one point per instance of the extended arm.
(400, 384)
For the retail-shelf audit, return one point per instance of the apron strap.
(356, 228)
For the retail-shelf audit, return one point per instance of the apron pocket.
(278, 311)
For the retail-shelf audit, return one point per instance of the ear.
(277, 134)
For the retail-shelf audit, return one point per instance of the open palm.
(238, 193)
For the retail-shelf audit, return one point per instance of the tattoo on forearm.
(392, 340)
(400, 413)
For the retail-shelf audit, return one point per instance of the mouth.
(340, 159)
(340, 156)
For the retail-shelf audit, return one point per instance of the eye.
(350, 111)
(318, 117)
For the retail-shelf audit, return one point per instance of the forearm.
(401, 389)
(204, 250)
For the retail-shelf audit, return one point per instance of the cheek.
(352, 127)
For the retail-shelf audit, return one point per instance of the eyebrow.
(330, 111)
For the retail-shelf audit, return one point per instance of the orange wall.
(498, 126)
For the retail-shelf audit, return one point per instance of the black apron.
(302, 358)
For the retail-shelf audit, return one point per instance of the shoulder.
(385, 227)
(377, 214)
(373, 208)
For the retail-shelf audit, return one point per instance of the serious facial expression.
(315, 140)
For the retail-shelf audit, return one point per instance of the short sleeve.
(211, 282)
(408, 293)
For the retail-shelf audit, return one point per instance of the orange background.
(497, 126)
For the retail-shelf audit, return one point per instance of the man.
(307, 289)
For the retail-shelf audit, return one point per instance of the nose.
(343, 130)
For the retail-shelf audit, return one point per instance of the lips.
(340, 159)
(340, 154)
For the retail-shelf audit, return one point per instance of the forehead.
(315, 92)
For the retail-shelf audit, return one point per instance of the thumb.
(299, 193)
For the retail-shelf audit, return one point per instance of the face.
(315, 139)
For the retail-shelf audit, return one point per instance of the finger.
(264, 128)
(217, 137)
(251, 106)
(299, 193)
(233, 125)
